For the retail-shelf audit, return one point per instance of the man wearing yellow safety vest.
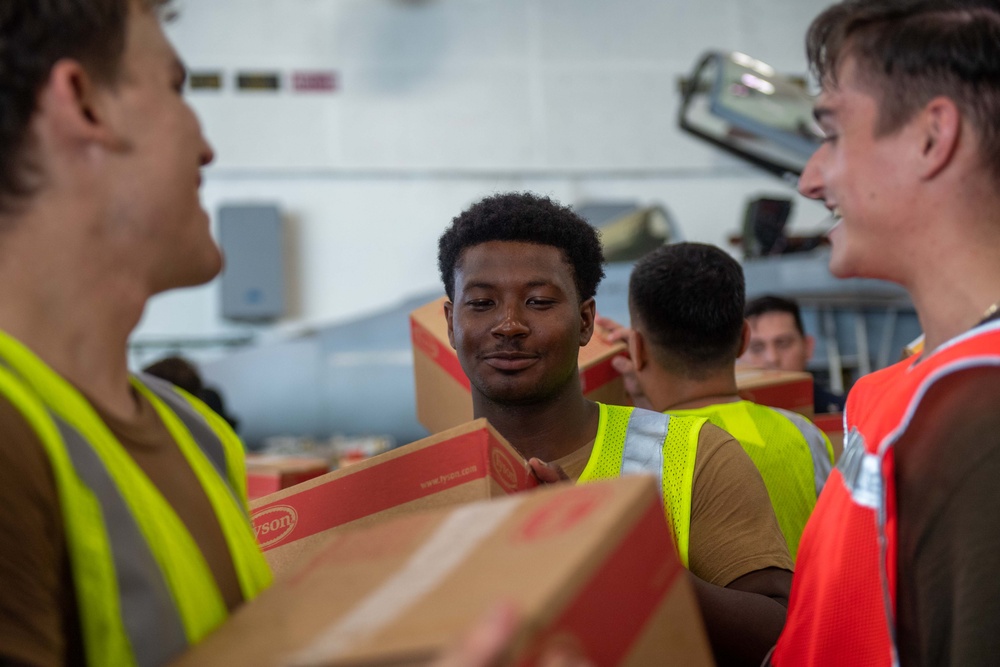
(123, 533)
(686, 301)
(521, 272)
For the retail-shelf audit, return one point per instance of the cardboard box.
(268, 473)
(443, 390)
(591, 565)
(466, 463)
(790, 390)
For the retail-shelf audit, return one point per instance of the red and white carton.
(268, 473)
(590, 566)
(790, 390)
(466, 463)
(444, 397)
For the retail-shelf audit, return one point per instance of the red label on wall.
(313, 82)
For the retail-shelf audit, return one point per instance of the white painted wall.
(444, 101)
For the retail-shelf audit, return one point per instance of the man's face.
(157, 219)
(516, 321)
(860, 178)
(775, 342)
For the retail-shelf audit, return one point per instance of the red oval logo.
(506, 473)
(273, 524)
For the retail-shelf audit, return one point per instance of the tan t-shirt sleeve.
(733, 527)
(37, 610)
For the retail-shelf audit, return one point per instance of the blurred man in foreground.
(898, 564)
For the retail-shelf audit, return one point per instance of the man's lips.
(510, 361)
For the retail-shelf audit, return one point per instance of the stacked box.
(466, 463)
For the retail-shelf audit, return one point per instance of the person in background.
(686, 303)
(898, 564)
(521, 272)
(778, 340)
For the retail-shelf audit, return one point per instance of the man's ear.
(940, 125)
(810, 347)
(744, 339)
(448, 308)
(75, 105)
(638, 349)
(588, 313)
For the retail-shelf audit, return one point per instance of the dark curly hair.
(34, 35)
(689, 297)
(530, 218)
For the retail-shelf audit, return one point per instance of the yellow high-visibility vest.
(791, 453)
(144, 590)
(631, 441)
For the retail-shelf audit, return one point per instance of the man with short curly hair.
(521, 272)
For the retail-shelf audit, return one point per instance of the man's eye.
(541, 303)
(479, 304)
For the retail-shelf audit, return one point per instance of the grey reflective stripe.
(862, 472)
(197, 426)
(643, 451)
(822, 466)
(152, 622)
(202, 433)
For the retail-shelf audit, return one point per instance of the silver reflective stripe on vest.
(817, 447)
(862, 472)
(203, 434)
(152, 622)
(643, 451)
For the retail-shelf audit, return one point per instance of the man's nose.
(511, 323)
(811, 180)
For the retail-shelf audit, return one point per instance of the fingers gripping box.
(466, 463)
(590, 566)
(443, 391)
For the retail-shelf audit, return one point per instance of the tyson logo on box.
(273, 524)
(506, 471)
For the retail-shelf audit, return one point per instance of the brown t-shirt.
(733, 527)
(39, 619)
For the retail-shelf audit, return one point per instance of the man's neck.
(74, 315)
(548, 430)
(956, 296)
(951, 257)
(669, 391)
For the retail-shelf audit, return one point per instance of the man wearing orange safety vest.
(898, 564)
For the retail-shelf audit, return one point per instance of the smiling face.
(516, 322)
(861, 177)
(157, 218)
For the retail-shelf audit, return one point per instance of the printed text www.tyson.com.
(448, 477)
